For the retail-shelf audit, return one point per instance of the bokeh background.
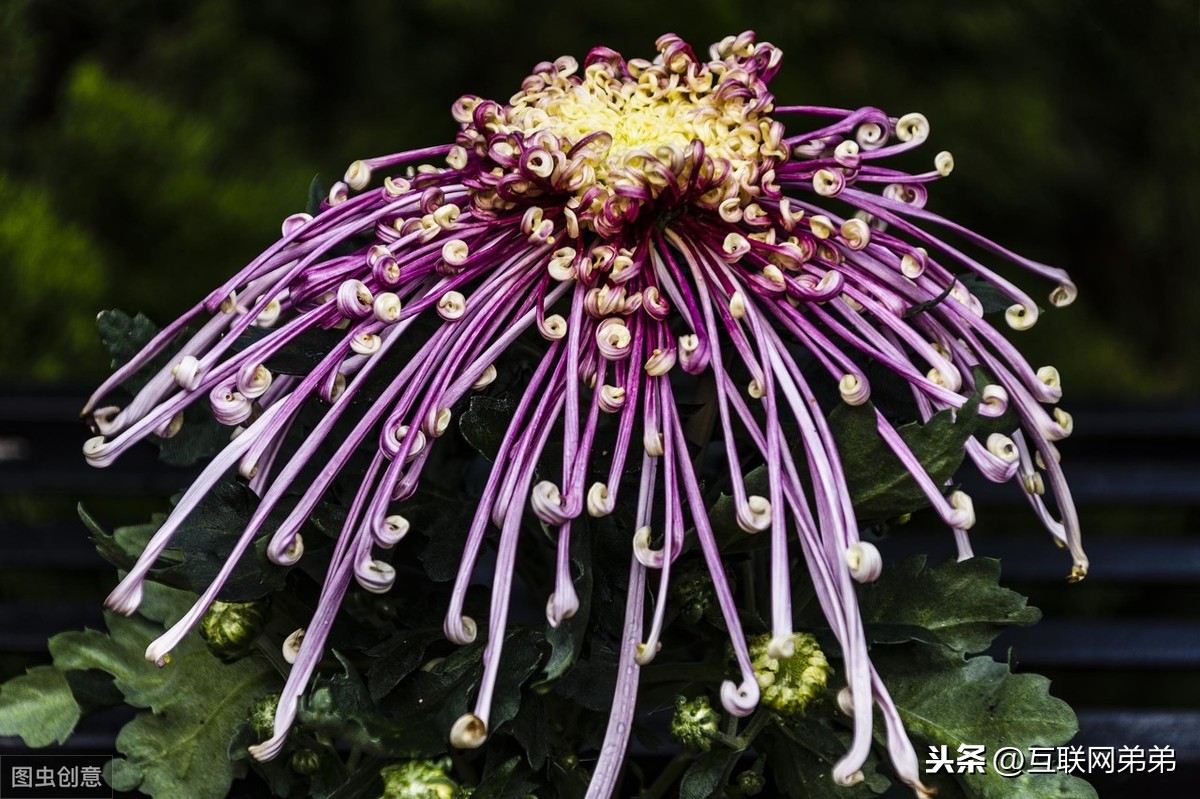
(149, 148)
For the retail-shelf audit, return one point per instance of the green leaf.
(801, 756)
(992, 298)
(485, 422)
(341, 706)
(878, 482)
(709, 773)
(39, 707)
(519, 660)
(945, 700)
(106, 543)
(200, 438)
(566, 640)
(181, 749)
(124, 336)
(396, 658)
(960, 605)
(508, 780)
(316, 194)
(198, 702)
(207, 536)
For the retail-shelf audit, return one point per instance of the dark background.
(148, 148)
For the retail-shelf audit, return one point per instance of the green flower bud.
(262, 716)
(693, 593)
(419, 779)
(305, 762)
(229, 628)
(750, 783)
(694, 722)
(790, 684)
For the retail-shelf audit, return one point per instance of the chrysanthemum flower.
(646, 218)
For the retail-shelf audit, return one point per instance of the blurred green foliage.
(148, 148)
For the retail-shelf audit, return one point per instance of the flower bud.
(418, 779)
(694, 722)
(230, 628)
(262, 716)
(789, 684)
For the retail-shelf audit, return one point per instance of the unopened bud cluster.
(790, 684)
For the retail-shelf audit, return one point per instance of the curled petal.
(387, 307)
(646, 555)
(913, 128)
(286, 550)
(1021, 317)
(187, 372)
(993, 400)
(374, 575)
(864, 561)
(828, 182)
(754, 515)
(170, 427)
(599, 501)
(1002, 447)
(611, 399)
(855, 390)
(291, 645)
(390, 533)
(485, 379)
(660, 362)
(546, 501)
(740, 700)
(253, 380)
(354, 299)
(1063, 295)
(451, 306)
(553, 327)
(469, 732)
(230, 407)
(461, 631)
(366, 344)
(963, 517)
(562, 605)
(613, 339)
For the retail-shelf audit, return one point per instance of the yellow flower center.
(621, 135)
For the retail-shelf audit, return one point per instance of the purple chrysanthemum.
(640, 216)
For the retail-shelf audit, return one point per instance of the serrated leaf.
(39, 707)
(508, 780)
(199, 438)
(124, 336)
(879, 484)
(341, 706)
(485, 423)
(396, 658)
(959, 605)
(207, 536)
(181, 748)
(519, 660)
(708, 774)
(106, 543)
(801, 756)
(945, 700)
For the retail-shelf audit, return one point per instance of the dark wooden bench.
(1123, 647)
